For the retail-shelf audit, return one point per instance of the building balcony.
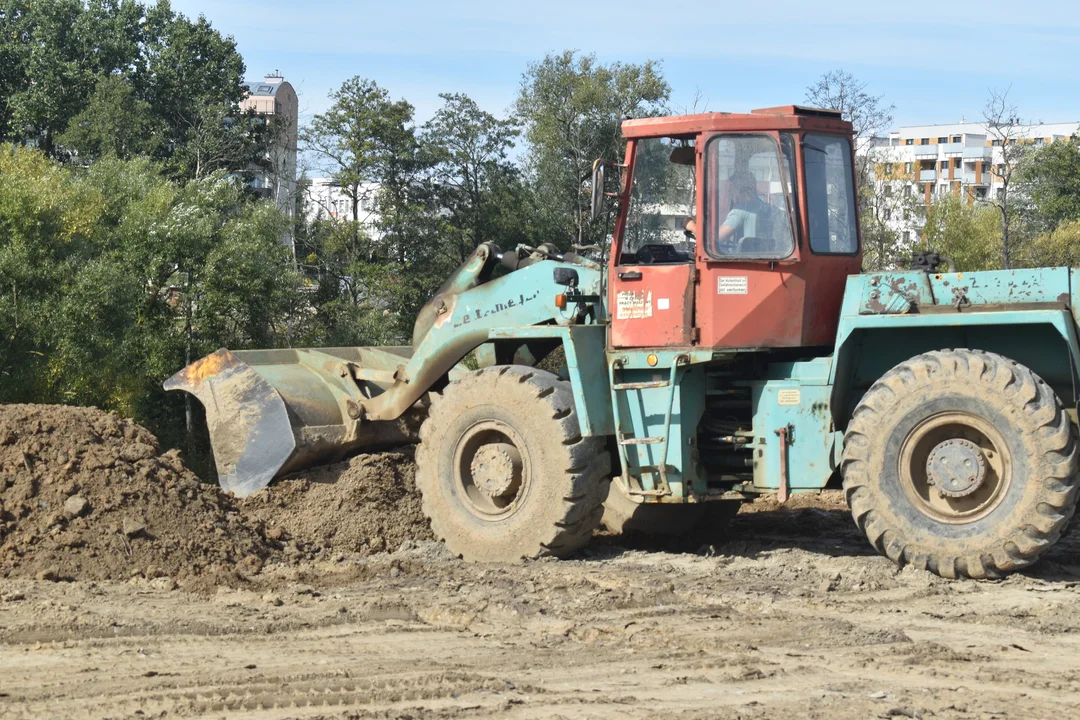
(927, 175)
(951, 148)
(978, 153)
(968, 178)
(926, 151)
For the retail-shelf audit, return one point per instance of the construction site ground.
(333, 601)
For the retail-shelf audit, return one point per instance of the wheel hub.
(495, 472)
(956, 467)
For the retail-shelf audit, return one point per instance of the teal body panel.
(1026, 315)
(886, 318)
(797, 397)
(585, 368)
(643, 413)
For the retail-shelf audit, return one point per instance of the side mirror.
(565, 276)
(596, 206)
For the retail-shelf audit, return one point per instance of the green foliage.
(113, 278)
(364, 138)
(114, 123)
(1057, 247)
(571, 107)
(121, 77)
(1051, 181)
(969, 234)
(479, 189)
(375, 268)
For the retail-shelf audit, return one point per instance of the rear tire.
(961, 462)
(504, 471)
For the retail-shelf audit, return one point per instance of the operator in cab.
(748, 222)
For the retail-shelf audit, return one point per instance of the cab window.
(661, 201)
(830, 194)
(748, 190)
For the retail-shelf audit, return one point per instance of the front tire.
(961, 462)
(503, 470)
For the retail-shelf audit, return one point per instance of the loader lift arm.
(271, 412)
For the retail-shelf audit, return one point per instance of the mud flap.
(247, 418)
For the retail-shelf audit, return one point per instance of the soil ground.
(791, 615)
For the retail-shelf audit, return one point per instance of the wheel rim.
(955, 467)
(491, 470)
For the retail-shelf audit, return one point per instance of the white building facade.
(326, 200)
(964, 159)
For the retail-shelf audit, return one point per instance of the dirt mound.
(365, 505)
(85, 495)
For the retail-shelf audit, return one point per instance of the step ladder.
(623, 439)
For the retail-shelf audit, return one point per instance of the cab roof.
(784, 117)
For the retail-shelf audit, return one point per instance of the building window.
(887, 214)
(926, 141)
(907, 236)
(907, 167)
(942, 140)
(957, 138)
(907, 214)
(956, 162)
(888, 168)
(909, 141)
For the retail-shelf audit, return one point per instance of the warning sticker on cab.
(732, 285)
(633, 305)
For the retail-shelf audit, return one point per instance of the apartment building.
(963, 159)
(275, 99)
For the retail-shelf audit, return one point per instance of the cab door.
(777, 282)
(651, 274)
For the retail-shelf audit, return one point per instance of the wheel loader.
(725, 346)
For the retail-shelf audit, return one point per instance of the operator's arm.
(732, 224)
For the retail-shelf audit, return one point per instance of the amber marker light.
(560, 301)
(652, 360)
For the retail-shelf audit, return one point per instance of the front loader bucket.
(271, 412)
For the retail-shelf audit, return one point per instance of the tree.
(1056, 247)
(476, 186)
(113, 277)
(867, 113)
(1004, 127)
(966, 233)
(1051, 182)
(379, 262)
(361, 141)
(881, 194)
(889, 204)
(59, 60)
(48, 74)
(114, 123)
(572, 107)
(220, 138)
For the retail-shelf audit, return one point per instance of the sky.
(935, 61)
